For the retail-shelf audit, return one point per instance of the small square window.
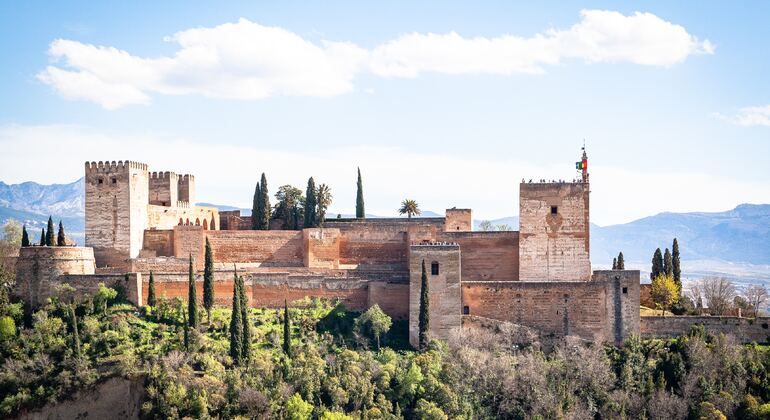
(114, 180)
(466, 310)
(101, 181)
(434, 269)
(625, 290)
(554, 210)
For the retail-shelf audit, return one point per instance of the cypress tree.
(75, 333)
(244, 303)
(60, 238)
(236, 324)
(657, 264)
(614, 263)
(264, 202)
(49, 233)
(668, 268)
(24, 236)
(42, 237)
(311, 204)
(360, 213)
(424, 321)
(208, 280)
(676, 264)
(186, 332)
(256, 207)
(151, 299)
(192, 297)
(286, 329)
(621, 262)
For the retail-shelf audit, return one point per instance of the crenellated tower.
(117, 194)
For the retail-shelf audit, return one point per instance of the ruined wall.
(605, 309)
(38, 269)
(458, 220)
(554, 232)
(444, 289)
(116, 210)
(163, 189)
(268, 247)
(392, 298)
(487, 256)
(321, 248)
(745, 330)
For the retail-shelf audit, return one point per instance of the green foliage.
(42, 237)
(236, 324)
(614, 263)
(424, 315)
(297, 408)
(286, 330)
(664, 291)
(60, 237)
(374, 323)
(49, 233)
(668, 268)
(256, 207)
(103, 297)
(246, 323)
(311, 204)
(621, 262)
(264, 214)
(208, 280)
(657, 264)
(360, 211)
(24, 236)
(324, 199)
(410, 208)
(676, 264)
(7, 329)
(192, 297)
(152, 300)
(288, 206)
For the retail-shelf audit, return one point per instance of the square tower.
(554, 231)
(458, 220)
(117, 195)
(186, 188)
(164, 189)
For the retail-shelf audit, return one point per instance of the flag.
(578, 165)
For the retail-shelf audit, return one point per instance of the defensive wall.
(745, 330)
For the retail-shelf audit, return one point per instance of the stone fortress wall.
(139, 222)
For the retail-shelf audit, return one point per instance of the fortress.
(540, 276)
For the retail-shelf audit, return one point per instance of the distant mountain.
(57, 199)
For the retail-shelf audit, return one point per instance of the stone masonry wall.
(554, 232)
(458, 220)
(444, 289)
(321, 248)
(745, 330)
(163, 189)
(267, 247)
(160, 217)
(38, 269)
(487, 256)
(393, 298)
(158, 243)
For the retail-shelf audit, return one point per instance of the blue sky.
(673, 102)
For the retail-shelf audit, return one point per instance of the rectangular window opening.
(554, 210)
(434, 269)
(466, 310)
(625, 290)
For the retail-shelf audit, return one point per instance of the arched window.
(205, 224)
(197, 222)
(187, 222)
(434, 268)
(213, 224)
(181, 222)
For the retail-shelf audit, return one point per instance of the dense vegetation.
(342, 364)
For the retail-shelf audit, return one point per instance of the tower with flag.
(583, 164)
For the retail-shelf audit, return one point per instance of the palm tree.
(409, 208)
(324, 200)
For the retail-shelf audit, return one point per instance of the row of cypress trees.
(619, 263)
(46, 236)
(667, 263)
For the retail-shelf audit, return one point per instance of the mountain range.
(735, 241)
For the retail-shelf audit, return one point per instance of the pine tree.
(424, 321)
(286, 329)
(236, 324)
(42, 237)
(192, 297)
(208, 280)
(24, 236)
(264, 202)
(60, 238)
(311, 204)
(360, 213)
(246, 327)
(676, 264)
(49, 233)
(668, 268)
(621, 262)
(614, 263)
(256, 207)
(151, 299)
(657, 264)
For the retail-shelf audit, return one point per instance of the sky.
(448, 103)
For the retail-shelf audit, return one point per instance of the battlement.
(539, 182)
(163, 175)
(186, 178)
(110, 167)
(436, 245)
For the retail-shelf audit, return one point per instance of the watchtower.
(164, 189)
(186, 188)
(117, 194)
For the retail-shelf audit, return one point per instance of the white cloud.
(489, 186)
(749, 116)
(246, 60)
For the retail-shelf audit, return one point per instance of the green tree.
(287, 207)
(409, 208)
(24, 236)
(621, 261)
(657, 264)
(60, 237)
(192, 297)
(42, 237)
(49, 233)
(375, 321)
(360, 212)
(103, 296)
(310, 204)
(324, 199)
(424, 316)
(614, 263)
(208, 280)
(286, 329)
(186, 327)
(246, 323)
(256, 207)
(664, 292)
(7, 329)
(428, 410)
(297, 408)
(264, 202)
(75, 331)
(676, 264)
(151, 298)
(236, 324)
(668, 268)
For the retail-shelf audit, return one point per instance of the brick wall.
(189, 241)
(487, 256)
(321, 248)
(458, 220)
(444, 289)
(268, 247)
(746, 330)
(158, 243)
(393, 298)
